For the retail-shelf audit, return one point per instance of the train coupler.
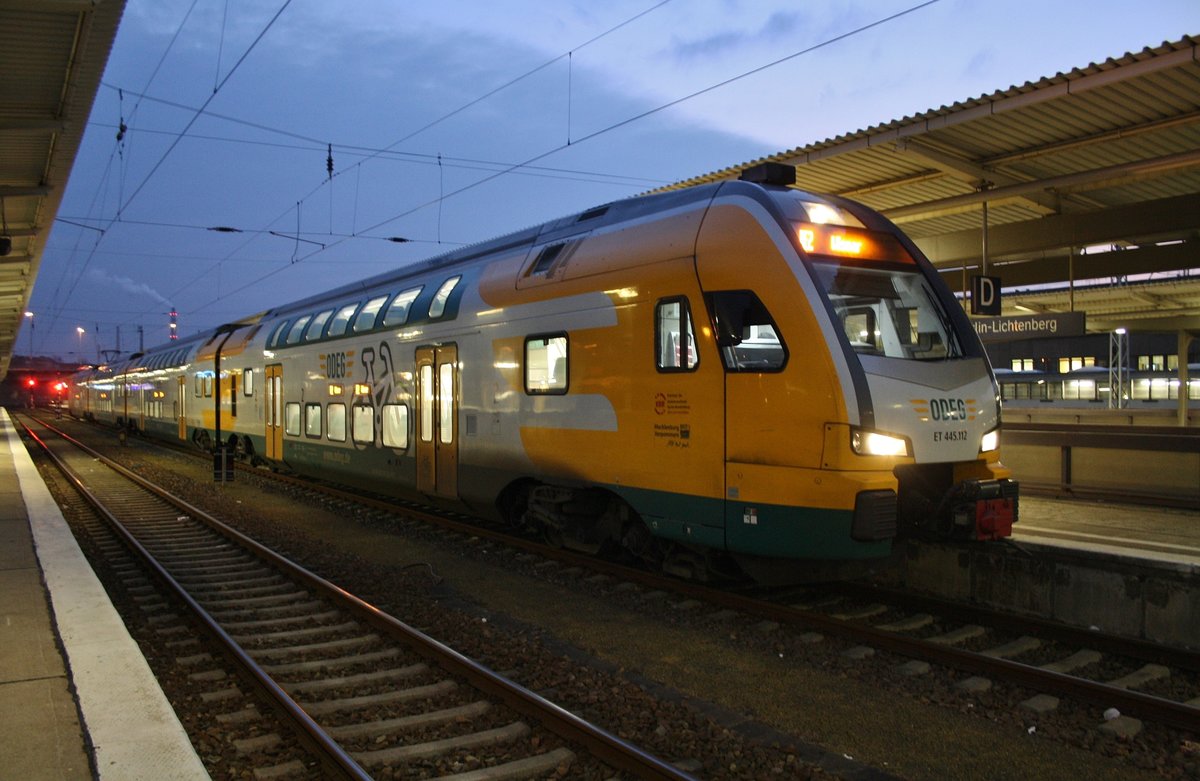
(983, 509)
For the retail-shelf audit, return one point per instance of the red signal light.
(30, 382)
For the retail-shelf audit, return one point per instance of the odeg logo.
(947, 409)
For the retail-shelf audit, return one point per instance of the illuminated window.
(426, 381)
(1143, 363)
(363, 428)
(336, 421)
(312, 420)
(248, 382)
(1064, 365)
(291, 418)
(546, 364)
(395, 425)
(446, 402)
(1173, 363)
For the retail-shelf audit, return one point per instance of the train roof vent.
(592, 214)
(770, 173)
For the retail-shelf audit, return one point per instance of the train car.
(737, 376)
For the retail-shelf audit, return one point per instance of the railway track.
(1049, 659)
(371, 694)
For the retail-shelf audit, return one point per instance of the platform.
(77, 699)
(1163, 534)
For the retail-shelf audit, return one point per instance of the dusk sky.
(430, 106)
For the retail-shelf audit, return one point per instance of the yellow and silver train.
(737, 375)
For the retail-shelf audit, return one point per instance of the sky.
(455, 121)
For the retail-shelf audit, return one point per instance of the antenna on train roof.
(770, 173)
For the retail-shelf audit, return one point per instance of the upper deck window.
(437, 307)
(342, 319)
(397, 312)
(313, 332)
(365, 320)
(294, 335)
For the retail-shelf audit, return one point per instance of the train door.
(180, 406)
(437, 420)
(274, 411)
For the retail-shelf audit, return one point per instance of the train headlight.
(990, 441)
(872, 443)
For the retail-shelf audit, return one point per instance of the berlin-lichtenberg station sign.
(1003, 329)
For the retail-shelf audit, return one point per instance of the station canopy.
(1087, 175)
(52, 54)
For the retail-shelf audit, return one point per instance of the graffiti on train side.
(379, 376)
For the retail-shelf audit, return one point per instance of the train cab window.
(291, 419)
(342, 319)
(746, 334)
(312, 420)
(546, 367)
(674, 336)
(335, 415)
(887, 308)
(313, 332)
(247, 382)
(365, 319)
(297, 330)
(437, 307)
(395, 426)
(397, 312)
(363, 424)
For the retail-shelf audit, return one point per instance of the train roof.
(612, 213)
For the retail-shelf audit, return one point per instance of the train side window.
(546, 367)
(336, 422)
(208, 386)
(247, 382)
(342, 319)
(437, 307)
(365, 319)
(312, 420)
(291, 418)
(746, 335)
(198, 387)
(674, 336)
(395, 426)
(313, 332)
(297, 331)
(397, 312)
(276, 335)
(363, 424)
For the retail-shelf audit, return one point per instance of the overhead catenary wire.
(608, 129)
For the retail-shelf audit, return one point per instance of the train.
(736, 379)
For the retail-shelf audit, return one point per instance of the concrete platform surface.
(1162, 534)
(77, 699)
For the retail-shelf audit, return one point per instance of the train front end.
(923, 402)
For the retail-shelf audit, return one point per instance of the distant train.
(736, 375)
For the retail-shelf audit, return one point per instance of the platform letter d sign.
(985, 295)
